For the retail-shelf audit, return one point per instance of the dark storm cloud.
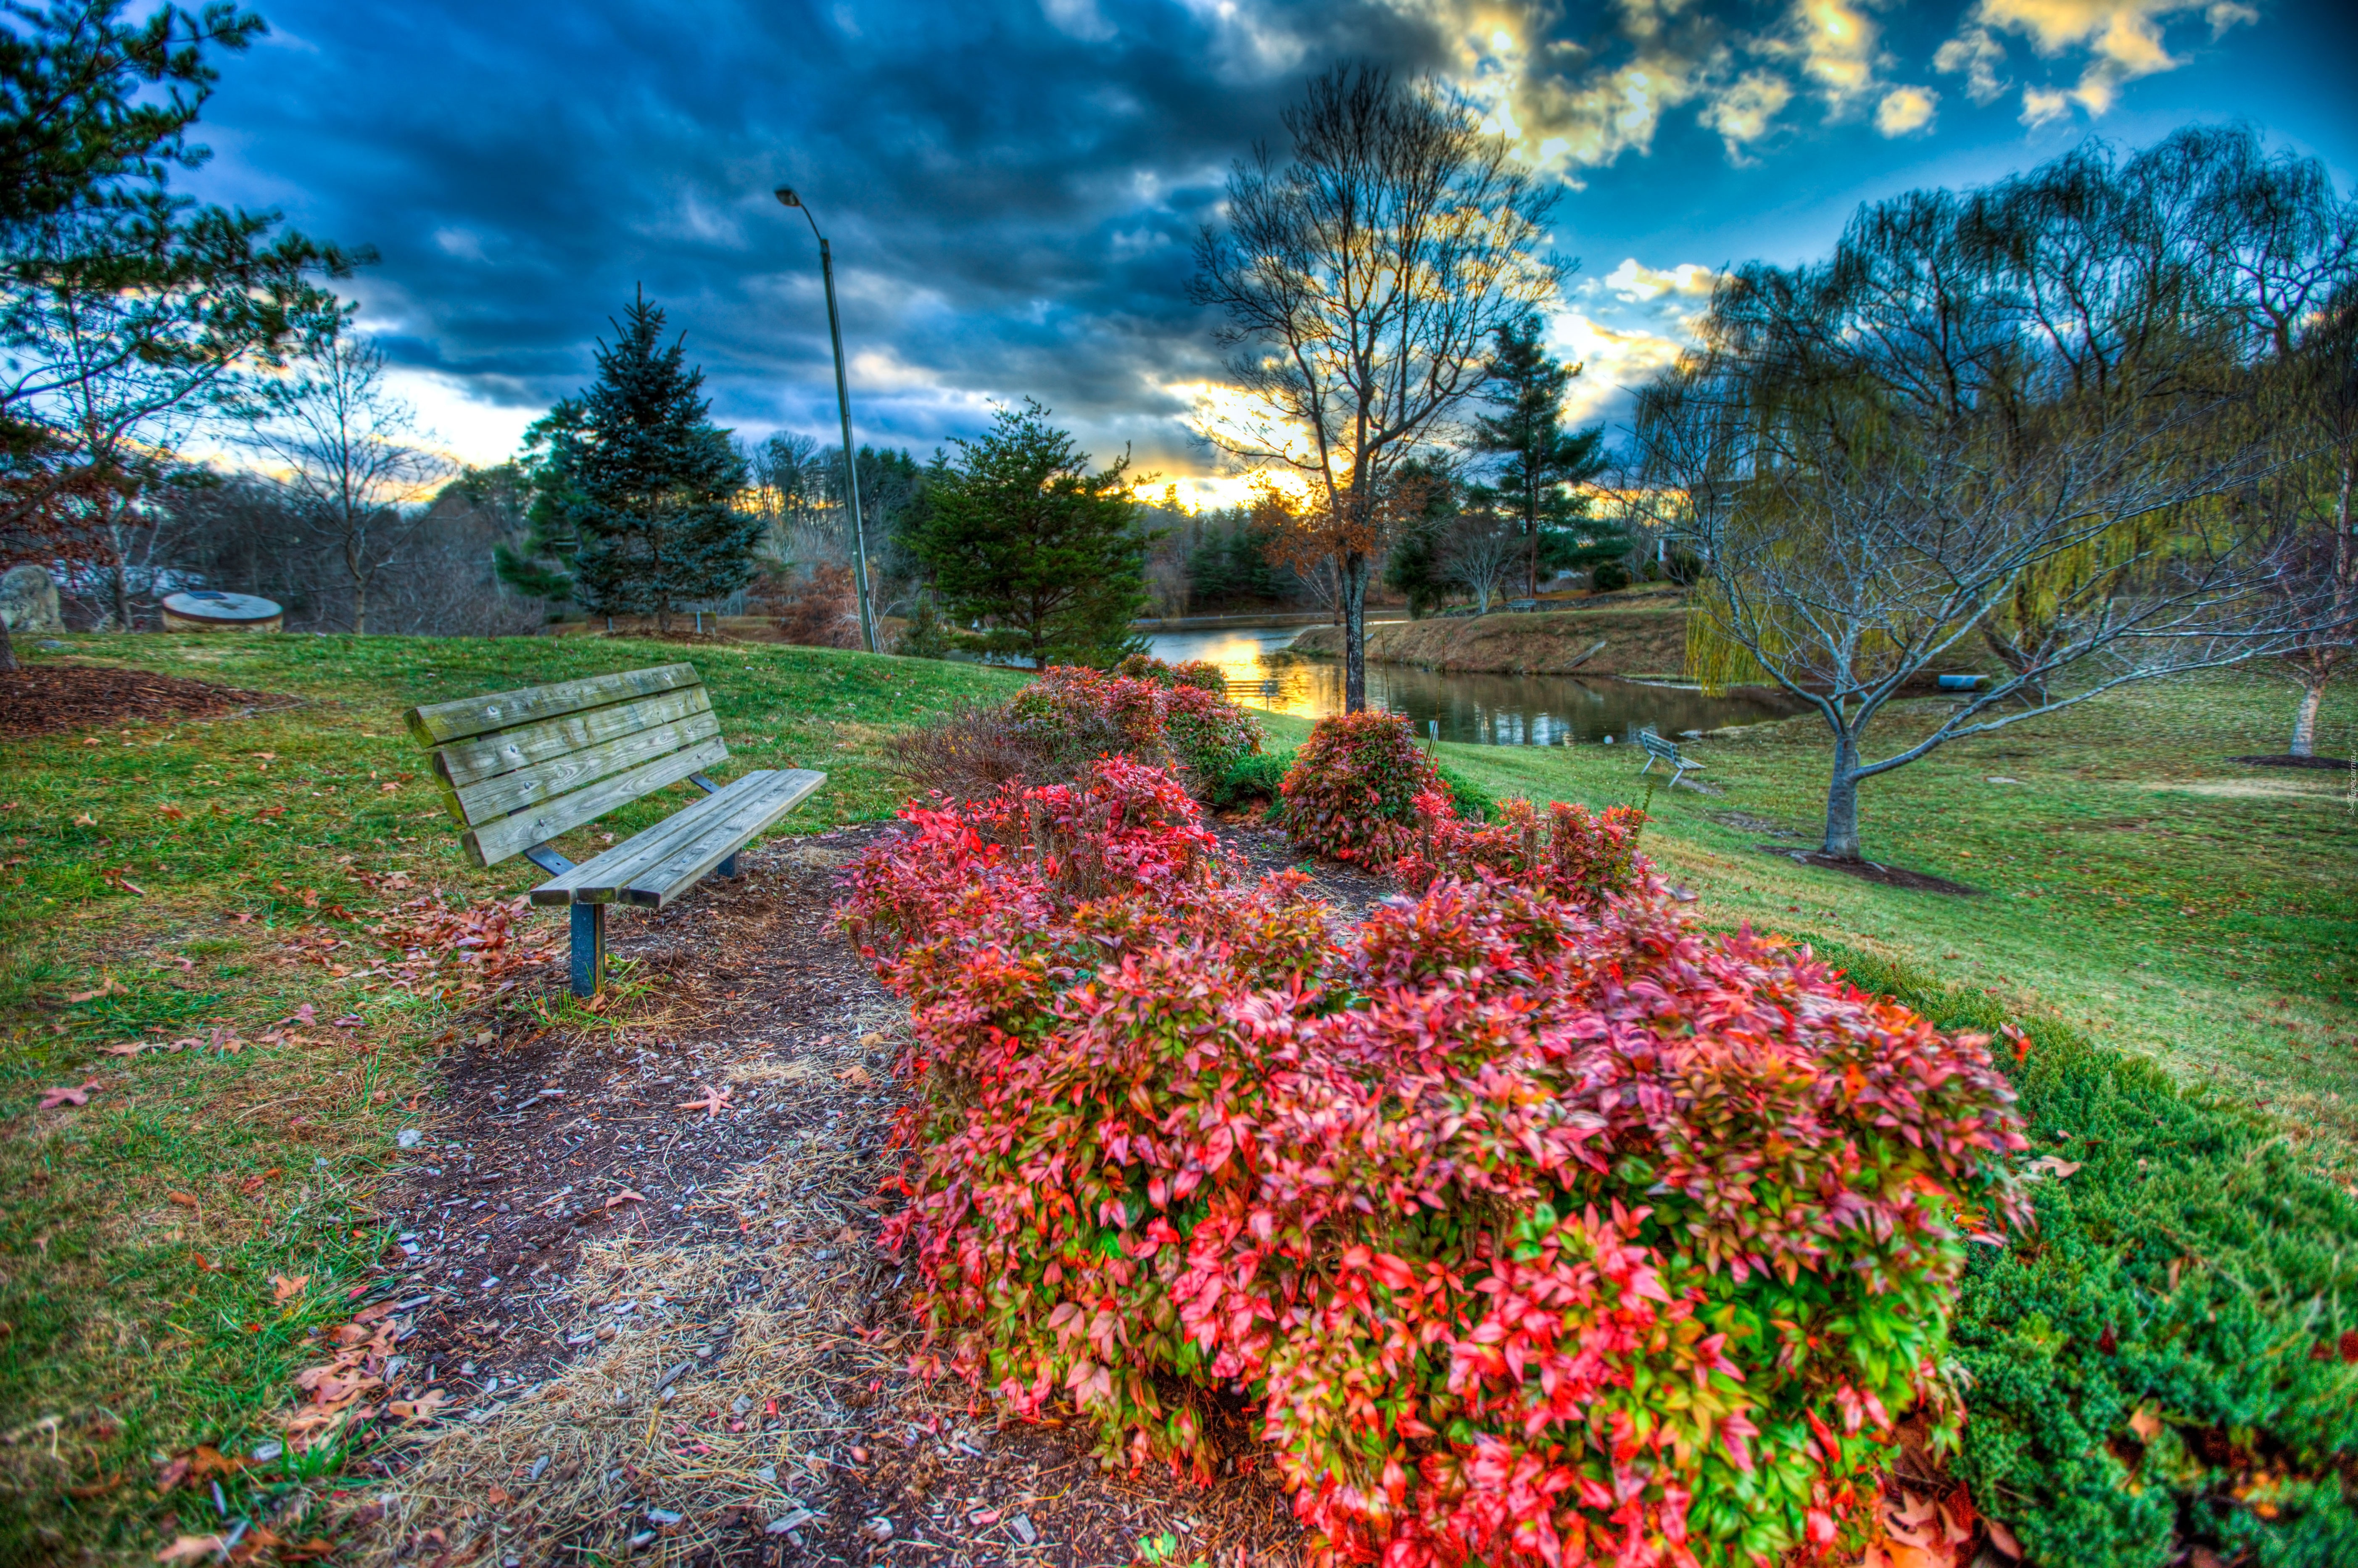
(1012, 202)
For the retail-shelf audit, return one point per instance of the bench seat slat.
(653, 868)
(512, 792)
(684, 867)
(641, 848)
(439, 723)
(461, 763)
(492, 842)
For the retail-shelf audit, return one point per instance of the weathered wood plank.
(492, 842)
(644, 849)
(478, 757)
(436, 724)
(691, 862)
(512, 792)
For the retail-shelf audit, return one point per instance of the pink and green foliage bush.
(1201, 673)
(1073, 714)
(1573, 855)
(1351, 794)
(1541, 1225)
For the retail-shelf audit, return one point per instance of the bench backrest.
(517, 768)
(1656, 744)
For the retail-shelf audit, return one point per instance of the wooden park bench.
(1660, 750)
(517, 768)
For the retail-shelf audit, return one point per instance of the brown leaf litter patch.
(668, 1331)
(51, 700)
(1870, 872)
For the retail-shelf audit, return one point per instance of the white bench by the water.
(517, 768)
(1660, 750)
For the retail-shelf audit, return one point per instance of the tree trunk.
(1353, 570)
(8, 648)
(2303, 719)
(1841, 800)
(121, 596)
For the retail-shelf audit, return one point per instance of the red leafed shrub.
(1351, 793)
(1574, 855)
(1201, 673)
(1542, 1230)
(1075, 715)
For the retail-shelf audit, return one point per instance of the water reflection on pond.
(1490, 710)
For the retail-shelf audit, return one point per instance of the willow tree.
(2016, 418)
(1364, 281)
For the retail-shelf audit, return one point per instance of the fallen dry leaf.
(423, 1405)
(173, 812)
(133, 1048)
(109, 985)
(625, 1195)
(2003, 1539)
(2061, 1169)
(286, 1288)
(712, 1102)
(2146, 1423)
(192, 1546)
(186, 1200)
(85, 819)
(52, 1098)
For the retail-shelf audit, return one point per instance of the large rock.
(29, 601)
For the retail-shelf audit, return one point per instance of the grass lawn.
(143, 1232)
(170, 1251)
(2134, 883)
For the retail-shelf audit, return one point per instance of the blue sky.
(1012, 185)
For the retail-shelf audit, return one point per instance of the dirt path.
(663, 1328)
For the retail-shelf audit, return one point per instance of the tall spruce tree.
(635, 507)
(1542, 461)
(1018, 531)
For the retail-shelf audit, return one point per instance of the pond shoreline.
(1627, 640)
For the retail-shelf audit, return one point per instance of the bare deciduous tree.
(1364, 281)
(1479, 551)
(350, 451)
(1976, 411)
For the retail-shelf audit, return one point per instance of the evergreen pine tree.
(1542, 461)
(1018, 531)
(635, 504)
(541, 568)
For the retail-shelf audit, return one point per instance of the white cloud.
(1635, 281)
(1613, 362)
(1837, 45)
(1079, 18)
(1976, 53)
(1906, 109)
(1741, 112)
(2123, 40)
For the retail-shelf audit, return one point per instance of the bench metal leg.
(1648, 766)
(727, 868)
(588, 949)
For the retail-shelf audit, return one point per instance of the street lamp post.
(787, 197)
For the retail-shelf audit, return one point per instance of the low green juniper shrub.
(2169, 1360)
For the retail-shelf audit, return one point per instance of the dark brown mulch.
(511, 1199)
(2335, 764)
(1868, 871)
(50, 699)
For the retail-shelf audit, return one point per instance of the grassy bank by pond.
(170, 1249)
(2132, 881)
(143, 1231)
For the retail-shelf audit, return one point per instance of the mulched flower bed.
(652, 1321)
(51, 700)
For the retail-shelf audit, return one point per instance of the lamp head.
(787, 197)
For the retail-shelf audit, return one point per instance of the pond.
(1489, 709)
